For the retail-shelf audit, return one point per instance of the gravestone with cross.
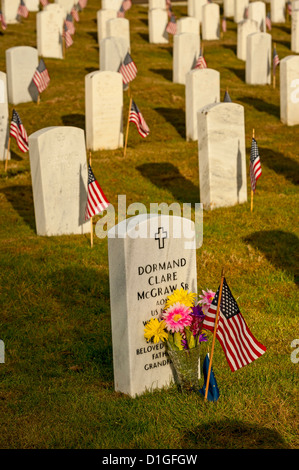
(150, 256)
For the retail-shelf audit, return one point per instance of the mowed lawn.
(56, 385)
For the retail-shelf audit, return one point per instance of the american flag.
(121, 12)
(17, 130)
(238, 343)
(75, 14)
(268, 21)
(41, 76)
(276, 60)
(201, 62)
(82, 4)
(138, 119)
(126, 4)
(169, 8)
(172, 26)
(2, 21)
(255, 164)
(96, 199)
(44, 3)
(289, 7)
(70, 24)
(67, 36)
(128, 69)
(22, 10)
(224, 26)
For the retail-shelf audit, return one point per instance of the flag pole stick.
(7, 152)
(251, 205)
(38, 99)
(214, 335)
(91, 221)
(128, 123)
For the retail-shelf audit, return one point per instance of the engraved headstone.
(188, 24)
(59, 180)
(278, 11)
(150, 256)
(244, 28)
(21, 62)
(111, 4)
(112, 53)
(257, 12)
(258, 59)
(49, 27)
(157, 22)
(241, 7)
(289, 90)
(210, 21)
(222, 155)
(66, 5)
(195, 8)
(104, 110)
(202, 88)
(32, 5)
(10, 10)
(119, 28)
(152, 4)
(186, 48)
(295, 31)
(4, 118)
(229, 8)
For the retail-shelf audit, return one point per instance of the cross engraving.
(160, 236)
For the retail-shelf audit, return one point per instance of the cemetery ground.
(56, 385)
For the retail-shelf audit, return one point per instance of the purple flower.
(202, 338)
(197, 312)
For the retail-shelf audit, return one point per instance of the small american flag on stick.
(82, 4)
(44, 3)
(224, 24)
(75, 14)
(128, 69)
(201, 62)
(238, 343)
(268, 21)
(255, 164)
(276, 60)
(2, 21)
(126, 4)
(41, 76)
(70, 24)
(121, 12)
(67, 36)
(17, 130)
(96, 199)
(22, 10)
(171, 27)
(138, 119)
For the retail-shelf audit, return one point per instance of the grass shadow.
(15, 157)
(76, 120)
(166, 73)
(261, 105)
(233, 434)
(144, 36)
(240, 73)
(176, 117)
(94, 35)
(91, 69)
(281, 164)
(21, 198)
(167, 176)
(280, 248)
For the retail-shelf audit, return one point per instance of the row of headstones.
(10, 8)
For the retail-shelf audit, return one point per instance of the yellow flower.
(155, 329)
(182, 296)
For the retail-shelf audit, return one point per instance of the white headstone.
(229, 8)
(295, 5)
(49, 27)
(222, 155)
(153, 4)
(59, 180)
(157, 22)
(202, 88)
(240, 10)
(10, 10)
(21, 62)
(148, 260)
(186, 48)
(278, 11)
(102, 17)
(32, 5)
(188, 24)
(244, 28)
(66, 5)
(258, 59)
(195, 8)
(4, 118)
(289, 90)
(210, 22)
(257, 12)
(111, 4)
(295, 31)
(104, 110)
(120, 28)
(112, 53)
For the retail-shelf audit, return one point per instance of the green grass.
(56, 386)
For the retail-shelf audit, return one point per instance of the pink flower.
(206, 299)
(177, 317)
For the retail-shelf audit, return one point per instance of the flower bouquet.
(181, 326)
